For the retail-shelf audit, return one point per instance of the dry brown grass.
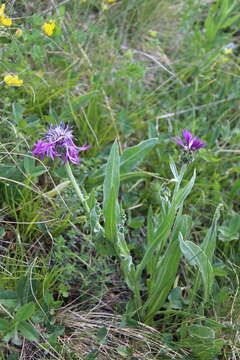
(144, 342)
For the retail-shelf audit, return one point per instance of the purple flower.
(189, 143)
(58, 142)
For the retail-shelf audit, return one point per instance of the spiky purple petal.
(187, 136)
(84, 147)
(58, 142)
(189, 143)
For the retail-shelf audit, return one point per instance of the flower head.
(104, 7)
(58, 142)
(230, 48)
(4, 20)
(18, 32)
(153, 33)
(189, 143)
(228, 51)
(48, 28)
(12, 80)
(2, 8)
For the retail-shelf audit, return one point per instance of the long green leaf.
(230, 21)
(164, 282)
(163, 231)
(164, 273)
(135, 154)
(197, 257)
(129, 176)
(129, 159)
(181, 195)
(110, 193)
(126, 261)
(150, 225)
(111, 216)
(209, 242)
(135, 175)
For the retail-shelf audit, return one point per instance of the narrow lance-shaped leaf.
(177, 176)
(150, 229)
(209, 242)
(58, 189)
(110, 193)
(230, 21)
(126, 261)
(164, 282)
(197, 257)
(181, 194)
(163, 231)
(174, 170)
(164, 274)
(150, 237)
(130, 158)
(97, 179)
(135, 154)
(136, 175)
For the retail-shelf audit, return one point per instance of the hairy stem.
(76, 187)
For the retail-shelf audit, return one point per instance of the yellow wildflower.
(18, 33)
(153, 33)
(224, 59)
(104, 7)
(2, 8)
(228, 51)
(12, 80)
(48, 28)
(5, 21)
(111, 1)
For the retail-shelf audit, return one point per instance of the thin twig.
(196, 108)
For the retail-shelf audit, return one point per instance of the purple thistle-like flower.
(189, 143)
(58, 142)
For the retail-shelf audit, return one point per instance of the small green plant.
(166, 238)
(202, 340)
(219, 18)
(27, 311)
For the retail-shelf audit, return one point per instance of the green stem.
(76, 187)
(194, 291)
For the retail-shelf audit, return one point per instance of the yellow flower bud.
(228, 51)
(224, 59)
(48, 28)
(5, 21)
(18, 33)
(12, 80)
(153, 34)
(2, 8)
(104, 7)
